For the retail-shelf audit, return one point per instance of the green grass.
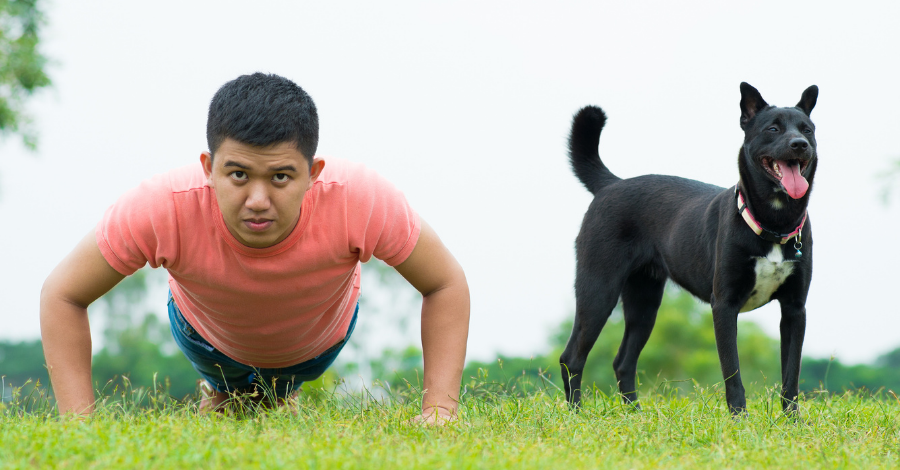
(517, 424)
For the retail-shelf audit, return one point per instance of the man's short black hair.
(263, 110)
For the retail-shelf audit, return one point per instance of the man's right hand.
(81, 278)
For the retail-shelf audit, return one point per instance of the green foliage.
(138, 348)
(833, 376)
(20, 360)
(137, 344)
(134, 354)
(22, 66)
(392, 366)
(680, 355)
(681, 350)
(21, 366)
(386, 329)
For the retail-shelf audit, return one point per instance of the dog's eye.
(807, 131)
(773, 129)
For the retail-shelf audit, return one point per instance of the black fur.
(638, 232)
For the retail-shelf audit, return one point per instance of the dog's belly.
(771, 272)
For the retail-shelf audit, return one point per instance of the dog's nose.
(799, 144)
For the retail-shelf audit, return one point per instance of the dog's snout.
(799, 144)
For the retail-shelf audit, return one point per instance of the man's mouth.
(258, 225)
(790, 174)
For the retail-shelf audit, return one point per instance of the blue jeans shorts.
(227, 375)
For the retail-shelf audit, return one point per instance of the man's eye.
(280, 178)
(238, 175)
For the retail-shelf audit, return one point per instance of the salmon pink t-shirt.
(265, 307)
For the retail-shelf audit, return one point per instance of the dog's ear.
(751, 103)
(808, 100)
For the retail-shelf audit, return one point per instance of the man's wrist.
(441, 409)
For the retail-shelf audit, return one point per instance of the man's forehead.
(272, 166)
(283, 155)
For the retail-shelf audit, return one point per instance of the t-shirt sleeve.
(140, 228)
(380, 220)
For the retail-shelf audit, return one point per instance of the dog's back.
(615, 232)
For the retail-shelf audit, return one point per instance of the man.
(263, 244)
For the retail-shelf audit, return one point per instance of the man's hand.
(435, 416)
(433, 271)
(81, 278)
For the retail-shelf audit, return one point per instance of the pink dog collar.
(758, 229)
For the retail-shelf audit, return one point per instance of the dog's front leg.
(725, 325)
(793, 328)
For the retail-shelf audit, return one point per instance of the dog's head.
(779, 149)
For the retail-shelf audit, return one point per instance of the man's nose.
(257, 198)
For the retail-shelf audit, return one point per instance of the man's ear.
(206, 160)
(315, 170)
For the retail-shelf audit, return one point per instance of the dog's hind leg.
(595, 299)
(641, 298)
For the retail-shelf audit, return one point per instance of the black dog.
(739, 247)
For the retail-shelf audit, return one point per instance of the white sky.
(466, 107)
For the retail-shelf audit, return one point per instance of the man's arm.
(81, 278)
(434, 272)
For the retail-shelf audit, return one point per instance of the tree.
(136, 343)
(889, 359)
(21, 362)
(890, 180)
(21, 66)
(681, 350)
(387, 329)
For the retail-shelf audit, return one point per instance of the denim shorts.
(227, 375)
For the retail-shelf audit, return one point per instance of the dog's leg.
(793, 327)
(725, 324)
(593, 305)
(641, 298)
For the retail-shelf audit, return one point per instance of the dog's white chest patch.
(771, 271)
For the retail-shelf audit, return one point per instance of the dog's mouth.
(790, 174)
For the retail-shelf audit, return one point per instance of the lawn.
(500, 426)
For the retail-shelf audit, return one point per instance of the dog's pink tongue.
(794, 183)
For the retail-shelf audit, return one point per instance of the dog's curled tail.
(583, 154)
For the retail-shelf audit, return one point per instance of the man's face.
(260, 189)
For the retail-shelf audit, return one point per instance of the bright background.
(466, 107)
